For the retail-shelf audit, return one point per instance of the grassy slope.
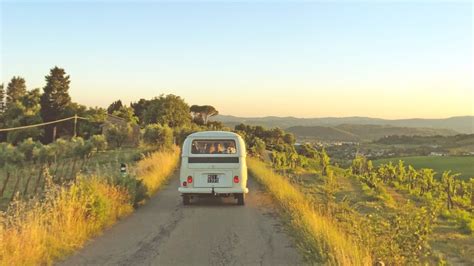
(322, 241)
(447, 239)
(463, 165)
(102, 163)
(39, 232)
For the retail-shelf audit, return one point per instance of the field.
(104, 163)
(66, 215)
(396, 227)
(457, 164)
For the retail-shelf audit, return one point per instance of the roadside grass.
(41, 231)
(155, 169)
(449, 242)
(322, 240)
(50, 227)
(102, 164)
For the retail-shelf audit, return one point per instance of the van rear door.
(213, 162)
(213, 178)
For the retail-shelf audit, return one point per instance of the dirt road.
(208, 232)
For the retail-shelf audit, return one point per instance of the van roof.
(218, 134)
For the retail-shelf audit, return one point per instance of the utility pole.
(75, 125)
(54, 133)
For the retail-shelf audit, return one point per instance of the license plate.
(213, 179)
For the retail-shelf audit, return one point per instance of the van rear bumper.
(217, 190)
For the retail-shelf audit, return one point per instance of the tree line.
(153, 117)
(283, 152)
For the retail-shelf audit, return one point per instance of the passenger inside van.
(219, 148)
(212, 149)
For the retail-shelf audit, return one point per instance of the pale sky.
(304, 59)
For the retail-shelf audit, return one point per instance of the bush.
(118, 134)
(27, 146)
(158, 135)
(99, 142)
(181, 133)
(259, 147)
(136, 189)
(10, 155)
(44, 154)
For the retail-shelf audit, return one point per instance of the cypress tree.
(55, 99)
(2, 99)
(16, 89)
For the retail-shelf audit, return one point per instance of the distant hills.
(351, 132)
(357, 128)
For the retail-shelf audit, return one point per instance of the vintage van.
(213, 164)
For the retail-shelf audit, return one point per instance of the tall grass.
(43, 230)
(322, 240)
(155, 169)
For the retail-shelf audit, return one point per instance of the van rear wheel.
(240, 199)
(186, 200)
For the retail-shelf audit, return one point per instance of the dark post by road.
(123, 169)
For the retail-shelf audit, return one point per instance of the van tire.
(186, 200)
(241, 199)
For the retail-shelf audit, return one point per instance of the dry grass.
(39, 232)
(155, 169)
(322, 241)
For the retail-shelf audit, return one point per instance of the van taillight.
(190, 179)
(236, 179)
(184, 183)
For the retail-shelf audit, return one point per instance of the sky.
(387, 59)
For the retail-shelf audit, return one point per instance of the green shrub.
(118, 134)
(27, 146)
(10, 155)
(99, 142)
(135, 188)
(158, 135)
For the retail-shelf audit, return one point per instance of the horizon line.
(323, 117)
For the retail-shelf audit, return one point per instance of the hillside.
(351, 132)
(323, 133)
(460, 124)
(447, 141)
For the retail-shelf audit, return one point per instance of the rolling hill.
(351, 132)
(459, 124)
(322, 133)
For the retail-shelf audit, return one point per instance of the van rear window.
(221, 146)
